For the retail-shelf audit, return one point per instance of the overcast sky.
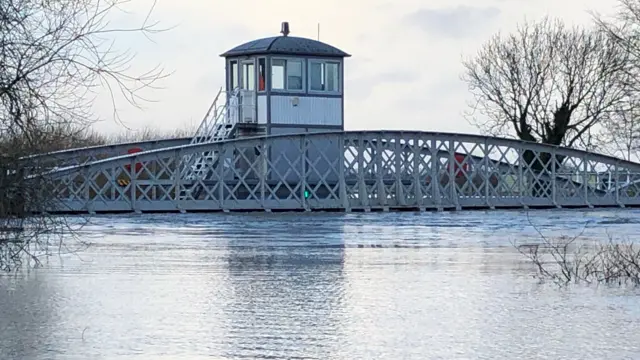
(404, 72)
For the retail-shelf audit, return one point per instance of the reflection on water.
(319, 286)
(286, 300)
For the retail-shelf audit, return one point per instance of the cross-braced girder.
(349, 171)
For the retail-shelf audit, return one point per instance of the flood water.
(317, 286)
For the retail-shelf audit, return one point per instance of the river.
(317, 286)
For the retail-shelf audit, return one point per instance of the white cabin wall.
(309, 110)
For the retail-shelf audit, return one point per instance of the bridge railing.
(86, 155)
(350, 170)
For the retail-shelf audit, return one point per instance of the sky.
(404, 73)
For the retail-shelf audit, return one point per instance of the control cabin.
(288, 84)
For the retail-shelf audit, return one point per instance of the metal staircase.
(219, 124)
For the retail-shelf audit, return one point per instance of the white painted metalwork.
(247, 106)
(218, 124)
(214, 124)
(349, 171)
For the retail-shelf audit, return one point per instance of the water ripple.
(317, 286)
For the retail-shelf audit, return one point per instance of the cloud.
(360, 88)
(459, 22)
(404, 73)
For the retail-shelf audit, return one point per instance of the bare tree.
(620, 134)
(54, 54)
(546, 82)
(624, 29)
(564, 260)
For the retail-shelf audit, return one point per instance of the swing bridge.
(334, 170)
(274, 140)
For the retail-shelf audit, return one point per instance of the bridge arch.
(348, 171)
(89, 154)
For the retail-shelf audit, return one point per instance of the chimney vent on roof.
(284, 30)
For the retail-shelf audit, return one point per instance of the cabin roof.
(286, 45)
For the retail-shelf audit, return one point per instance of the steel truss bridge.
(342, 171)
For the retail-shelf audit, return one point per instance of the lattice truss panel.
(351, 170)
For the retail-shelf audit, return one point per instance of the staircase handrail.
(210, 132)
(205, 121)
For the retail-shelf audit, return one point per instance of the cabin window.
(324, 76)
(277, 74)
(294, 75)
(286, 74)
(248, 76)
(332, 76)
(262, 70)
(233, 75)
